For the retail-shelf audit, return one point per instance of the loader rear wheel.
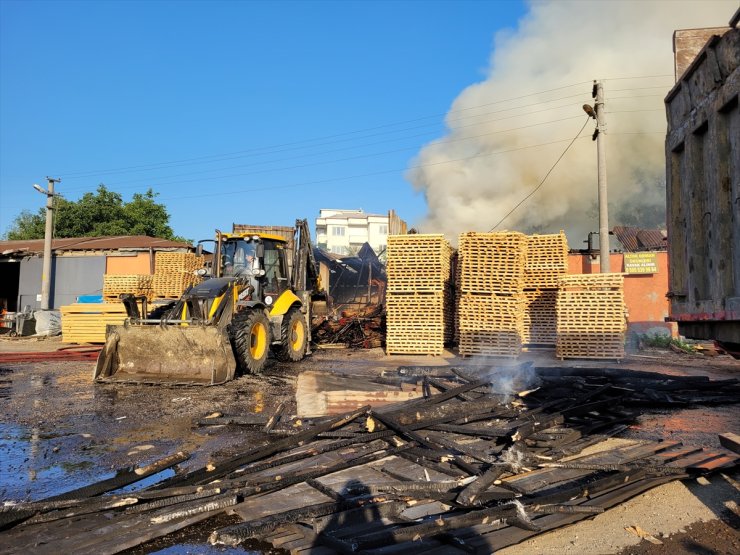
(294, 337)
(250, 336)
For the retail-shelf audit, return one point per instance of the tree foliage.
(98, 214)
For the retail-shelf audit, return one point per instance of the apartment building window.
(338, 231)
(384, 230)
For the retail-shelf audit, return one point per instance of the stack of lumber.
(174, 272)
(490, 300)
(591, 316)
(86, 322)
(459, 471)
(136, 284)
(419, 298)
(547, 261)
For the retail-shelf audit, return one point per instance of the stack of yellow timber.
(547, 261)
(419, 294)
(591, 316)
(86, 322)
(136, 284)
(490, 293)
(174, 272)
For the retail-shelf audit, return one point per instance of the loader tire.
(250, 337)
(293, 337)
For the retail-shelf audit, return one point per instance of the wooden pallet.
(177, 262)
(492, 262)
(547, 260)
(418, 263)
(86, 322)
(591, 282)
(135, 284)
(172, 285)
(506, 344)
(591, 317)
(418, 323)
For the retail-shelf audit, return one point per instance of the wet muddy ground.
(59, 431)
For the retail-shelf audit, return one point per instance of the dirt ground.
(59, 431)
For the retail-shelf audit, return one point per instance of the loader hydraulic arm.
(305, 275)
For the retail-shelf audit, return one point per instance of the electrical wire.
(414, 147)
(357, 176)
(435, 124)
(71, 174)
(307, 142)
(546, 175)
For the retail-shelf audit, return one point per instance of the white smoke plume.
(470, 184)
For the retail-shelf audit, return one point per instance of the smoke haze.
(478, 172)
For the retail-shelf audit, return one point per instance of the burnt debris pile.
(479, 462)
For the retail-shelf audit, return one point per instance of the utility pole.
(46, 269)
(600, 135)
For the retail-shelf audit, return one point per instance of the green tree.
(98, 214)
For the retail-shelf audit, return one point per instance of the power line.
(546, 175)
(414, 147)
(265, 152)
(71, 174)
(357, 176)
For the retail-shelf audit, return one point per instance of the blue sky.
(246, 112)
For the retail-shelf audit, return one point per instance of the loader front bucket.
(170, 354)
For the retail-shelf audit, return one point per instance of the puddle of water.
(25, 455)
(146, 482)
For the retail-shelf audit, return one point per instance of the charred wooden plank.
(254, 420)
(730, 441)
(123, 478)
(237, 533)
(275, 418)
(657, 470)
(208, 474)
(432, 527)
(470, 494)
(448, 411)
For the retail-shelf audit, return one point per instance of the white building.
(345, 231)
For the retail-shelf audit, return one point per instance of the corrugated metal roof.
(119, 242)
(635, 239)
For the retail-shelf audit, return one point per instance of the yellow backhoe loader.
(227, 324)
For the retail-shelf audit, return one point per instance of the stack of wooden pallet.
(419, 296)
(174, 272)
(547, 261)
(86, 322)
(136, 284)
(490, 293)
(591, 316)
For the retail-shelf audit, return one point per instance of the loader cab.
(238, 256)
(262, 259)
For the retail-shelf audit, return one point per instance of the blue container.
(89, 299)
